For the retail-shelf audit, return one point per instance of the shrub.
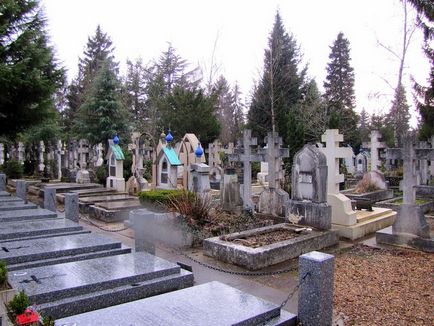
(48, 321)
(101, 174)
(3, 275)
(148, 170)
(158, 196)
(13, 169)
(19, 303)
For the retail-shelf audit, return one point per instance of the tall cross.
(333, 153)
(247, 157)
(273, 154)
(375, 145)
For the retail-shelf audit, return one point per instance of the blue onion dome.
(169, 137)
(198, 151)
(116, 140)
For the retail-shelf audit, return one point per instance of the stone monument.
(115, 158)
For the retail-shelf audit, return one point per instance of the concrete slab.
(26, 215)
(65, 289)
(40, 227)
(129, 204)
(16, 252)
(107, 198)
(209, 304)
(113, 211)
(65, 187)
(16, 205)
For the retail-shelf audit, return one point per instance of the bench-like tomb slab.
(260, 257)
(113, 211)
(66, 289)
(16, 205)
(18, 252)
(39, 227)
(211, 304)
(65, 187)
(5, 199)
(26, 215)
(87, 193)
(4, 194)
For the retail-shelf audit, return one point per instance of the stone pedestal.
(2, 182)
(21, 190)
(199, 178)
(50, 199)
(140, 220)
(317, 215)
(315, 296)
(71, 207)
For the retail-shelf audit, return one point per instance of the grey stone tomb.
(309, 189)
(50, 199)
(315, 296)
(26, 215)
(15, 205)
(2, 182)
(410, 227)
(72, 207)
(21, 189)
(211, 304)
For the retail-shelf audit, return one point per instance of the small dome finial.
(198, 151)
(169, 136)
(116, 140)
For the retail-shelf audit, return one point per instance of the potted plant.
(6, 292)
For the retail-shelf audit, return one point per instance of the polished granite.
(208, 304)
(16, 205)
(26, 215)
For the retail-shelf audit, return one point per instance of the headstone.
(50, 199)
(361, 163)
(41, 151)
(71, 207)
(315, 296)
(309, 188)
(2, 182)
(21, 189)
(99, 159)
(115, 158)
(350, 162)
(410, 227)
(273, 198)
(140, 221)
(263, 175)
(247, 157)
(210, 304)
(342, 212)
(199, 175)
(230, 193)
(375, 145)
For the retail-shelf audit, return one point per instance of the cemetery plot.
(65, 289)
(231, 248)
(4, 194)
(26, 215)
(5, 199)
(210, 304)
(15, 205)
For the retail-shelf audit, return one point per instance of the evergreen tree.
(364, 126)
(103, 114)
(191, 111)
(280, 88)
(135, 88)
(29, 74)
(339, 91)
(425, 95)
(399, 115)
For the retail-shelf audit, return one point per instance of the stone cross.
(20, 152)
(375, 145)
(99, 159)
(273, 154)
(333, 153)
(247, 157)
(2, 153)
(41, 151)
(214, 150)
(83, 149)
(407, 220)
(59, 152)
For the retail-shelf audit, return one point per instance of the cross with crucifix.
(247, 157)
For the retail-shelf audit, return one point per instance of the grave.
(5, 194)
(186, 152)
(165, 165)
(113, 211)
(115, 158)
(208, 304)
(230, 194)
(65, 187)
(15, 205)
(229, 248)
(410, 228)
(85, 202)
(46, 228)
(63, 290)
(9, 198)
(349, 223)
(26, 215)
(98, 191)
(375, 145)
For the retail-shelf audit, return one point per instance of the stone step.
(88, 193)
(19, 230)
(363, 215)
(16, 252)
(43, 236)
(66, 187)
(16, 205)
(70, 288)
(208, 304)
(26, 215)
(10, 199)
(72, 258)
(4, 194)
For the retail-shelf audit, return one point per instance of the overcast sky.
(142, 28)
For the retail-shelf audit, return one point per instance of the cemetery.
(153, 196)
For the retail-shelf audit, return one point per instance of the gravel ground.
(384, 287)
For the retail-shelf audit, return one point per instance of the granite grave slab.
(26, 215)
(16, 252)
(16, 205)
(18, 230)
(66, 289)
(10, 199)
(208, 304)
(4, 193)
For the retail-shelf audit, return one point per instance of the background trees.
(29, 73)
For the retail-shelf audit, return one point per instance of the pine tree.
(135, 88)
(103, 114)
(425, 95)
(364, 126)
(29, 73)
(339, 91)
(399, 115)
(279, 89)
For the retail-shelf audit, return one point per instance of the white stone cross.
(333, 153)
(41, 151)
(375, 145)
